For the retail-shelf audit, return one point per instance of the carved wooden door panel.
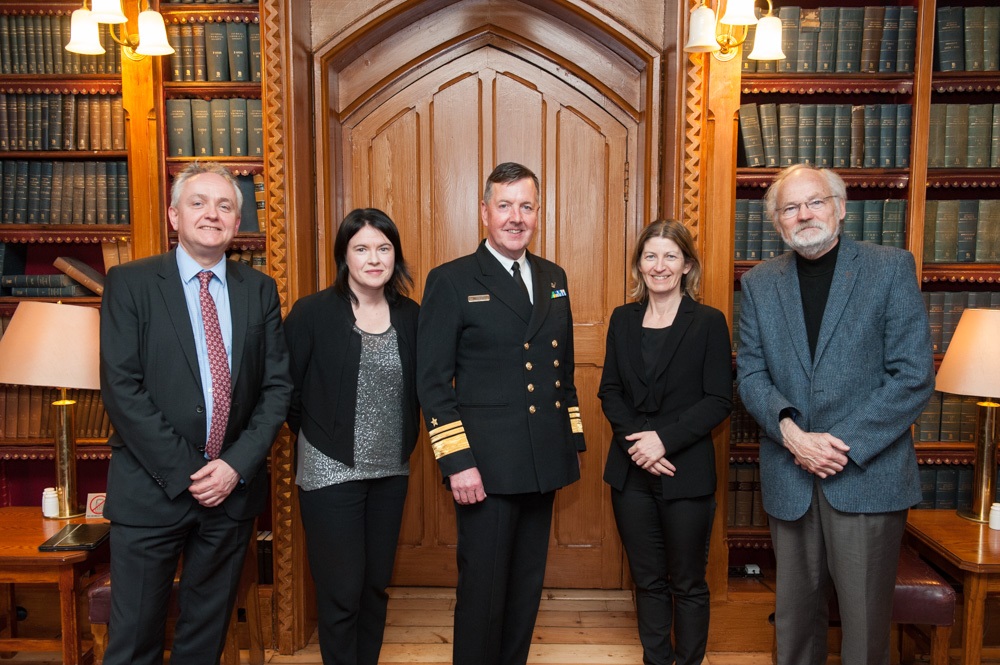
(421, 150)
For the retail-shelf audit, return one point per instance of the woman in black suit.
(354, 407)
(667, 382)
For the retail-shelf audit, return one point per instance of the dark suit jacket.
(692, 392)
(325, 358)
(151, 387)
(495, 375)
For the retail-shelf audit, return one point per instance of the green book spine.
(123, 194)
(841, 136)
(967, 423)
(871, 38)
(253, 46)
(20, 45)
(69, 190)
(968, 221)
(199, 58)
(893, 222)
(936, 136)
(808, 42)
(806, 151)
(47, 46)
(34, 123)
(977, 153)
(255, 128)
(112, 193)
(34, 187)
(32, 43)
(104, 123)
(956, 135)
(946, 232)
(58, 44)
(50, 291)
(45, 194)
(929, 422)
(854, 220)
(21, 193)
(101, 189)
(201, 127)
(740, 230)
(69, 122)
(935, 317)
(176, 61)
(83, 110)
(991, 39)
(975, 18)
(219, 111)
(216, 54)
(22, 122)
(4, 124)
(930, 229)
(239, 60)
(824, 135)
(187, 52)
(55, 210)
(890, 41)
(755, 229)
(753, 145)
(238, 129)
(770, 239)
(887, 135)
(950, 39)
(89, 199)
(954, 305)
(907, 39)
(55, 122)
(747, 66)
(9, 191)
(248, 213)
(789, 16)
(180, 141)
(872, 221)
(117, 123)
(788, 133)
(857, 137)
(849, 30)
(987, 234)
(928, 482)
(6, 51)
(904, 125)
(946, 488)
(873, 130)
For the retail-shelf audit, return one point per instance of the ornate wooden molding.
(694, 88)
(755, 84)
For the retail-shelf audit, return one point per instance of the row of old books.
(744, 506)
(70, 192)
(945, 486)
(35, 44)
(962, 231)
(743, 429)
(256, 258)
(967, 39)
(61, 122)
(944, 309)
(222, 51)
(947, 418)
(878, 221)
(215, 128)
(964, 136)
(26, 413)
(74, 279)
(842, 40)
(827, 135)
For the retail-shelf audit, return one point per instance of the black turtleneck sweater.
(815, 277)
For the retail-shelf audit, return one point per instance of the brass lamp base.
(985, 469)
(65, 456)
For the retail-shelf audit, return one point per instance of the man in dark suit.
(835, 364)
(194, 374)
(495, 380)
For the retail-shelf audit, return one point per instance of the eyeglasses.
(792, 209)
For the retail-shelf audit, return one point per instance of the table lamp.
(971, 367)
(55, 345)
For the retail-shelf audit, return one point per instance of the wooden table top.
(23, 529)
(967, 545)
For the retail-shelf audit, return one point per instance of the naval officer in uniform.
(495, 381)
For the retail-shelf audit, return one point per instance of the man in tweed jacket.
(835, 364)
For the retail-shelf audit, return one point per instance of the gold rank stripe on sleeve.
(575, 422)
(448, 439)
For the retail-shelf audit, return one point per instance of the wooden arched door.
(419, 145)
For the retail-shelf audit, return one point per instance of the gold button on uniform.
(555, 363)
(555, 343)
(527, 346)
(528, 366)
(531, 409)
(558, 405)
(558, 384)
(531, 387)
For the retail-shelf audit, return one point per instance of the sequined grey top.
(378, 421)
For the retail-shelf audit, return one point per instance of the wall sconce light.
(704, 35)
(85, 39)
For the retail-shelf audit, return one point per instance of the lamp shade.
(84, 37)
(767, 41)
(108, 11)
(739, 12)
(971, 366)
(152, 34)
(53, 345)
(701, 32)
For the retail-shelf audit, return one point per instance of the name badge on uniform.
(483, 298)
(558, 293)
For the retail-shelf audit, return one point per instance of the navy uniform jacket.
(495, 375)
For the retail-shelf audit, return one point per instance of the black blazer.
(325, 358)
(151, 386)
(495, 374)
(692, 392)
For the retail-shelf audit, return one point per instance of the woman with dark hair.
(667, 382)
(354, 408)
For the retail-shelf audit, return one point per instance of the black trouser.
(666, 541)
(352, 530)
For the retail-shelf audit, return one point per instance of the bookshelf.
(957, 274)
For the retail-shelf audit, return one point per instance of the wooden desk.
(22, 530)
(971, 553)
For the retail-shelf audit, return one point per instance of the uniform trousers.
(143, 566)
(666, 541)
(827, 551)
(502, 547)
(352, 530)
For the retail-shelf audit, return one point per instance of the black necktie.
(516, 269)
